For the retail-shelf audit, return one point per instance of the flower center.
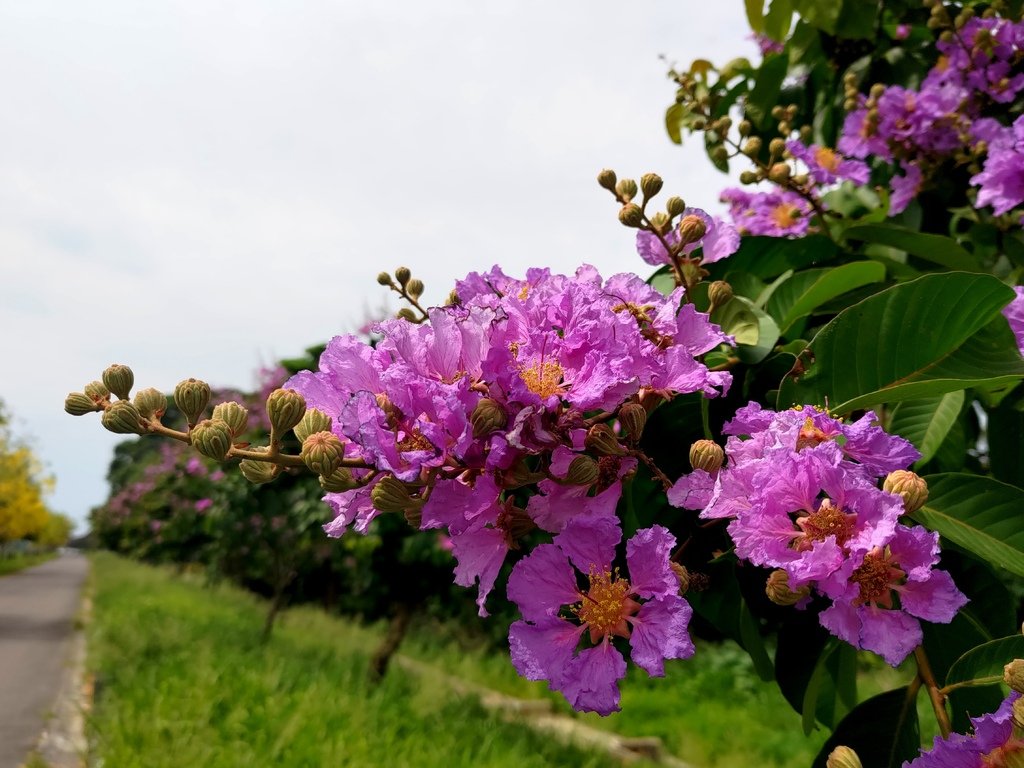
(827, 159)
(785, 214)
(827, 521)
(876, 576)
(543, 378)
(810, 435)
(1010, 755)
(414, 441)
(606, 605)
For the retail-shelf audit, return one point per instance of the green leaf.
(769, 257)
(936, 334)
(883, 731)
(674, 117)
(934, 248)
(755, 14)
(981, 664)
(980, 514)
(765, 93)
(754, 330)
(753, 643)
(926, 422)
(806, 291)
(823, 14)
(779, 19)
(1006, 443)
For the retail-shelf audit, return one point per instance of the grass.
(182, 680)
(16, 563)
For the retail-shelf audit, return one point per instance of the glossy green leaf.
(1006, 443)
(755, 14)
(984, 665)
(980, 514)
(765, 93)
(939, 333)
(778, 19)
(754, 329)
(883, 731)
(821, 13)
(674, 117)
(934, 248)
(769, 257)
(927, 422)
(806, 291)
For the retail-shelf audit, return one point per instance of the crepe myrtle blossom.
(720, 240)
(775, 213)
(1014, 313)
(566, 634)
(826, 166)
(1001, 180)
(996, 742)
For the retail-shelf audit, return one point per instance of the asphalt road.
(37, 611)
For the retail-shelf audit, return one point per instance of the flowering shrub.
(806, 424)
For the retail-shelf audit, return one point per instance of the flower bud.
(385, 279)
(1018, 722)
(633, 418)
(745, 127)
(338, 481)
(151, 402)
(691, 229)
(779, 172)
(626, 189)
(660, 222)
(313, 420)
(720, 154)
(518, 475)
(212, 438)
(630, 215)
(285, 409)
(683, 575)
(675, 206)
(119, 379)
(719, 294)
(192, 396)
(123, 418)
(236, 416)
(778, 591)
(583, 470)
(601, 440)
(843, 757)
(777, 146)
(402, 275)
(607, 179)
(392, 495)
(650, 184)
(748, 177)
(79, 404)
(415, 288)
(778, 112)
(1013, 675)
(258, 472)
(488, 416)
(406, 314)
(96, 391)
(322, 452)
(910, 486)
(707, 455)
(752, 146)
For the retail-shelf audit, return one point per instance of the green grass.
(182, 680)
(16, 563)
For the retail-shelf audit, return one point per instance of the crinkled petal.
(647, 558)
(659, 632)
(542, 582)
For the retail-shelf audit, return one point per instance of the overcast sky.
(198, 188)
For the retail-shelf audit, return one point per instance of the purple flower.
(993, 743)
(1001, 181)
(904, 188)
(1014, 313)
(826, 166)
(559, 615)
(776, 213)
(203, 504)
(766, 45)
(719, 241)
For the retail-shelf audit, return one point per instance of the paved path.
(37, 611)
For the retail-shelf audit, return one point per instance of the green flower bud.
(235, 414)
(660, 222)
(151, 402)
(601, 440)
(123, 418)
(79, 404)
(748, 177)
(683, 575)
(606, 179)
(258, 472)
(707, 455)
(650, 184)
(488, 416)
(406, 314)
(675, 206)
(518, 475)
(1013, 675)
(212, 438)
(385, 279)
(630, 215)
(119, 379)
(322, 452)
(285, 408)
(745, 127)
(403, 274)
(583, 470)
(392, 495)
(752, 147)
(96, 391)
(626, 189)
(719, 294)
(777, 146)
(910, 486)
(779, 172)
(313, 420)
(691, 229)
(720, 154)
(778, 591)
(338, 481)
(415, 288)
(192, 396)
(843, 757)
(633, 418)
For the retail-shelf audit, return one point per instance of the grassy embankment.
(183, 680)
(16, 563)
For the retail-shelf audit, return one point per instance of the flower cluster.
(518, 407)
(717, 241)
(801, 492)
(775, 212)
(997, 741)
